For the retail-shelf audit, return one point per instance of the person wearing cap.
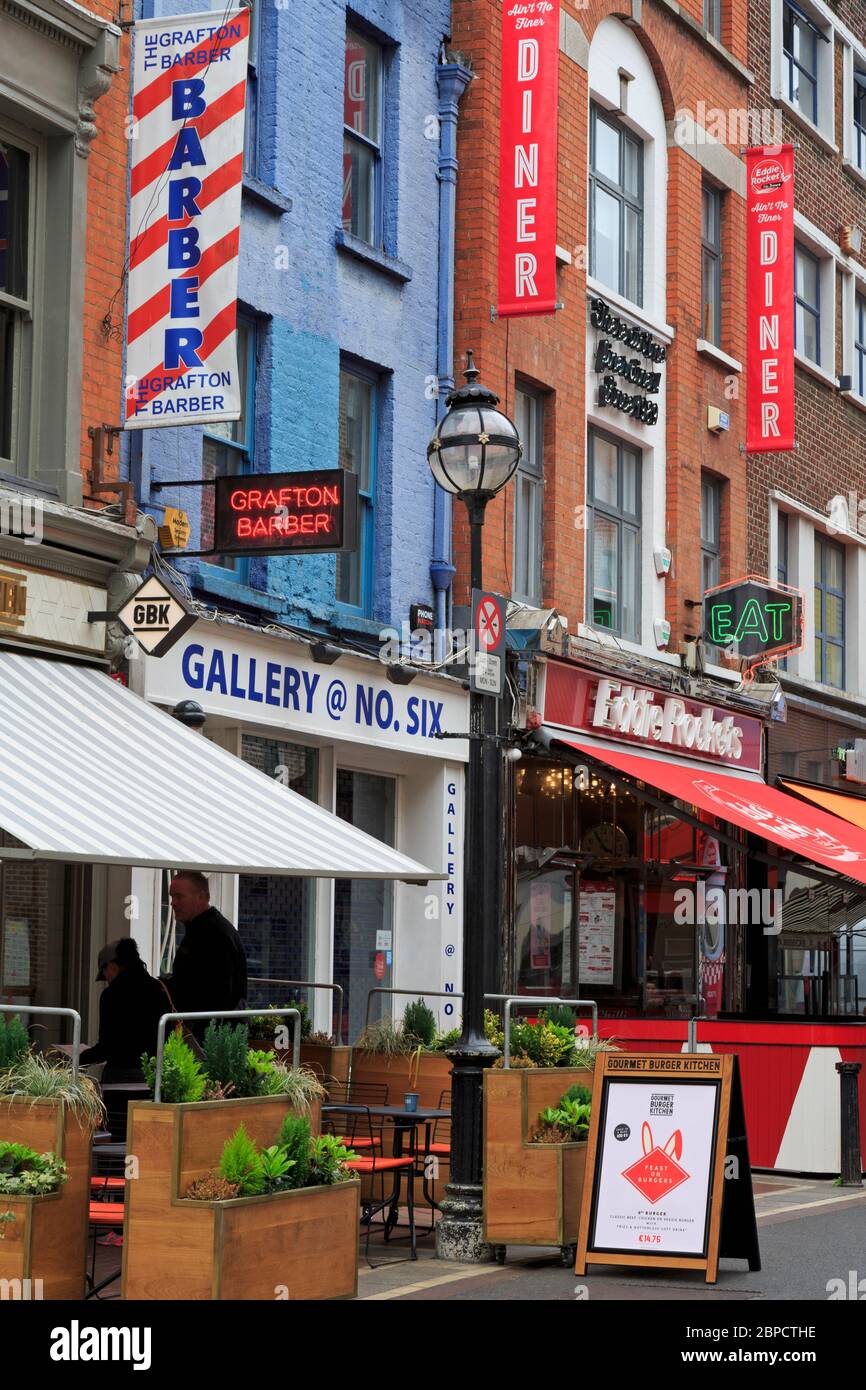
(129, 1012)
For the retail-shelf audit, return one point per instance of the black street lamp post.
(474, 454)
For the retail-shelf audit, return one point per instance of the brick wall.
(551, 351)
(101, 388)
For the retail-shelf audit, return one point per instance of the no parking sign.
(487, 669)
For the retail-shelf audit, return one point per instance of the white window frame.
(853, 284)
(531, 471)
(27, 353)
(824, 130)
(827, 254)
(853, 59)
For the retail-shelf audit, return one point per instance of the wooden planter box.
(532, 1192)
(429, 1075)
(48, 1240)
(327, 1061)
(297, 1245)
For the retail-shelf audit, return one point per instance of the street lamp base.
(459, 1233)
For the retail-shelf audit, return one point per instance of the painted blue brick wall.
(318, 301)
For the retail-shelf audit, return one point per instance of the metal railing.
(308, 984)
(56, 1013)
(510, 999)
(229, 1013)
(418, 993)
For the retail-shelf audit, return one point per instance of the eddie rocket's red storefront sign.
(528, 157)
(770, 298)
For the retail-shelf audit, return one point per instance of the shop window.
(16, 302)
(544, 926)
(713, 18)
(711, 265)
(614, 536)
(362, 138)
(359, 426)
(364, 908)
(228, 448)
(38, 936)
(807, 304)
(529, 500)
(616, 206)
(276, 915)
(820, 961)
(829, 612)
(251, 108)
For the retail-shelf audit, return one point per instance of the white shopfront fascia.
(270, 686)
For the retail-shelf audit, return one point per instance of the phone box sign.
(579, 700)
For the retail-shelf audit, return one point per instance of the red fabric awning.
(803, 830)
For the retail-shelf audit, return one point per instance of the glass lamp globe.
(476, 449)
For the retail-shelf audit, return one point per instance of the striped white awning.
(91, 772)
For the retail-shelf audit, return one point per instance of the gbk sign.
(155, 617)
(754, 619)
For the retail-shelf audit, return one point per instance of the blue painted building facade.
(324, 310)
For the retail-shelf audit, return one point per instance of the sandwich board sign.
(668, 1182)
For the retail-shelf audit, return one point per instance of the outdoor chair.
(103, 1216)
(358, 1093)
(366, 1133)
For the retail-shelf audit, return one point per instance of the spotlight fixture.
(325, 653)
(401, 675)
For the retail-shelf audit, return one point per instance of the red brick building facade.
(807, 516)
(659, 61)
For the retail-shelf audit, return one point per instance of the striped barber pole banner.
(189, 92)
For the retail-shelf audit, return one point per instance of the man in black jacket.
(210, 967)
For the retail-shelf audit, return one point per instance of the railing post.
(850, 1164)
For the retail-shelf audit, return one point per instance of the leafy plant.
(211, 1188)
(327, 1159)
(579, 1093)
(587, 1049)
(561, 1015)
(545, 1044)
(320, 1039)
(449, 1039)
(33, 1077)
(14, 1040)
(267, 1025)
(241, 1164)
(295, 1138)
(5, 1218)
(419, 1023)
(26, 1173)
(385, 1040)
(215, 1090)
(567, 1122)
(277, 1167)
(225, 1049)
(182, 1077)
(302, 1086)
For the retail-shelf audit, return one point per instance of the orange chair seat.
(99, 1184)
(362, 1143)
(442, 1150)
(106, 1213)
(379, 1165)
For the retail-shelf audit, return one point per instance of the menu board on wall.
(16, 954)
(668, 1180)
(597, 932)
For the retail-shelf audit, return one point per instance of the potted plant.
(271, 1221)
(32, 1259)
(407, 1057)
(534, 1114)
(47, 1108)
(203, 1102)
(319, 1051)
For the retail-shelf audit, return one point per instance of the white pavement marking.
(808, 1206)
(434, 1283)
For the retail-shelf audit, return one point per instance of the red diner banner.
(528, 155)
(770, 299)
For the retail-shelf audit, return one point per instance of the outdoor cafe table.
(402, 1120)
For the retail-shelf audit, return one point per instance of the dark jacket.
(210, 967)
(129, 1010)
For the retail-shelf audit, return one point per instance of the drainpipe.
(452, 79)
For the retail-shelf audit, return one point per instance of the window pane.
(834, 673)
(356, 425)
(14, 219)
(710, 282)
(359, 189)
(630, 582)
(833, 616)
(361, 92)
(804, 45)
(782, 548)
(835, 574)
(631, 171)
(604, 573)
(607, 151)
(710, 216)
(238, 431)
(806, 333)
(710, 508)
(217, 461)
(806, 277)
(711, 569)
(604, 469)
(630, 483)
(632, 288)
(606, 239)
(819, 609)
(804, 93)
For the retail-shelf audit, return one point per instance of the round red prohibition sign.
(488, 623)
